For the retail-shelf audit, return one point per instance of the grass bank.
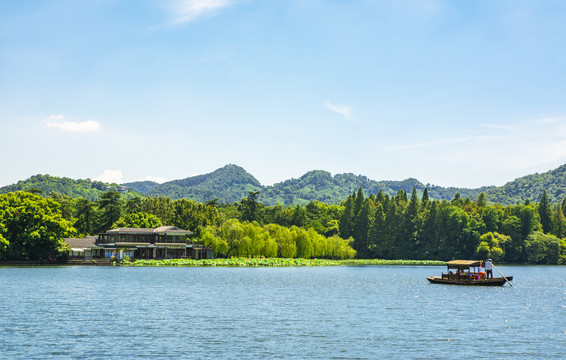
(274, 262)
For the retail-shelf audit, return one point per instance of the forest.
(32, 226)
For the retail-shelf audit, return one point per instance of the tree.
(482, 203)
(210, 239)
(194, 216)
(361, 230)
(376, 237)
(138, 220)
(65, 203)
(406, 245)
(542, 248)
(111, 206)
(492, 218)
(160, 206)
(299, 217)
(31, 227)
(545, 213)
(558, 222)
(491, 244)
(428, 237)
(358, 202)
(85, 212)
(425, 198)
(249, 207)
(457, 200)
(347, 219)
(134, 205)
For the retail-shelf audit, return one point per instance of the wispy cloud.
(511, 150)
(551, 120)
(188, 10)
(58, 121)
(111, 176)
(340, 109)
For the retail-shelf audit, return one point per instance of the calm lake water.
(367, 312)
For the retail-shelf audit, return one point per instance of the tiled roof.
(145, 231)
(84, 243)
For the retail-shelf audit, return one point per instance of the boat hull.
(498, 281)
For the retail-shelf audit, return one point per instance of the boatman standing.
(489, 269)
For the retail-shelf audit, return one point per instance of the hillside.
(231, 183)
(322, 186)
(228, 184)
(531, 187)
(87, 189)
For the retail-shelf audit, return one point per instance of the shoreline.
(231, 262)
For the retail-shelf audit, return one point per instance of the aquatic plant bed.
(274, 262)
(390, 262)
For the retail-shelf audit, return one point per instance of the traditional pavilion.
(164, 242)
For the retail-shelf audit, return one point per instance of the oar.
(501, 274)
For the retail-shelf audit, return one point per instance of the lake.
(364, 312)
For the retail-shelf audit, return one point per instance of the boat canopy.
(462, 264)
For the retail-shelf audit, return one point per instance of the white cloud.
(158, 179)
(189, 10)
(343, 110)
(57, 121)
(111, 176)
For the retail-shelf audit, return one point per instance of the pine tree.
(376, 236)
(360, 231)
(409, 228)
(482, 203)
(359, 200)
(545, 212)
(391, 226)
(401, 197)
(347, 219)
(380, 197)
(558, 222)
(85, 212)
(425, 198)
(111, 206)
(428, 238)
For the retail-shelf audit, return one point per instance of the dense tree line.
(376, 226)
(411, 228)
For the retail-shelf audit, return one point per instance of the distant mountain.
(142, 187)
(231, 183)
(531, 187)
(322, 186)
(228, 184)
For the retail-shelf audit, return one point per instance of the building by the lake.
(164, 242)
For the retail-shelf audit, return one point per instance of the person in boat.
(489, 268)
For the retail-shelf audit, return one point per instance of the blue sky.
(453, 93)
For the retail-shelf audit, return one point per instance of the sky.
(452, 93)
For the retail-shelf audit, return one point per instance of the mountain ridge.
(231, 183)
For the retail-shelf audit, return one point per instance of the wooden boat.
(467, 272)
